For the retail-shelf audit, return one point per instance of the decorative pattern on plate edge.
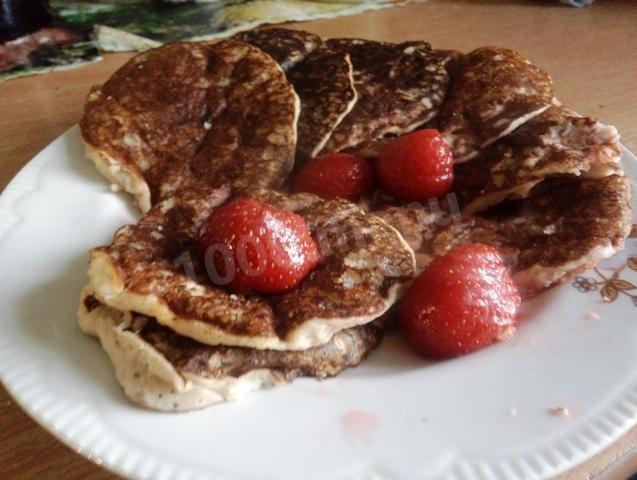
(610, 286)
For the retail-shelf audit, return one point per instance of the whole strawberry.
(250, 246)
(463, 301)
(416, 166)
(335, 175)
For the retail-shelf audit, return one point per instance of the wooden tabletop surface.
(591, 54)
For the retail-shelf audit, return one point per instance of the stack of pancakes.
(189, 126)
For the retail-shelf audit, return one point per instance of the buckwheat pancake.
(556, 142)
(321, 76)
(287, 47)
(324, 82)
(162, 370)
(565, 226)
(493, 91)
(400, 87)
(220, 112)
(147, 269)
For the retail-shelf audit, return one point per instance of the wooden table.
(591, 54)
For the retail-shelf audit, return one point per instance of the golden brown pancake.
(400, 87)
(220, 112)
(556, 142)
(322, 77)
(493, 91)
(162, 370)
(566, 225)
(364, 263)
(324, 82)
(287, 47)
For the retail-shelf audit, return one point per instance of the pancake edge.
(109, 289)
(121, 174)
(150, 380)
(537, 278)
(513, 125)
(348, 108)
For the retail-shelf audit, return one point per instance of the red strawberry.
(463, 301)
(251, 246)
(335, 175)
(416, 166)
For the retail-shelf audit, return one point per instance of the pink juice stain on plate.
(358, 426)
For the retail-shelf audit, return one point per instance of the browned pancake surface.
(553, 143)
(346, 349)
(399, 87)
(565, 226)
(564, 219)
(221, 112)
(325, 84)
(493, 91)
(287, 47)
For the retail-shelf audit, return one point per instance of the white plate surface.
(394, 417)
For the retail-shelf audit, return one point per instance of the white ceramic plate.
(484, 416)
